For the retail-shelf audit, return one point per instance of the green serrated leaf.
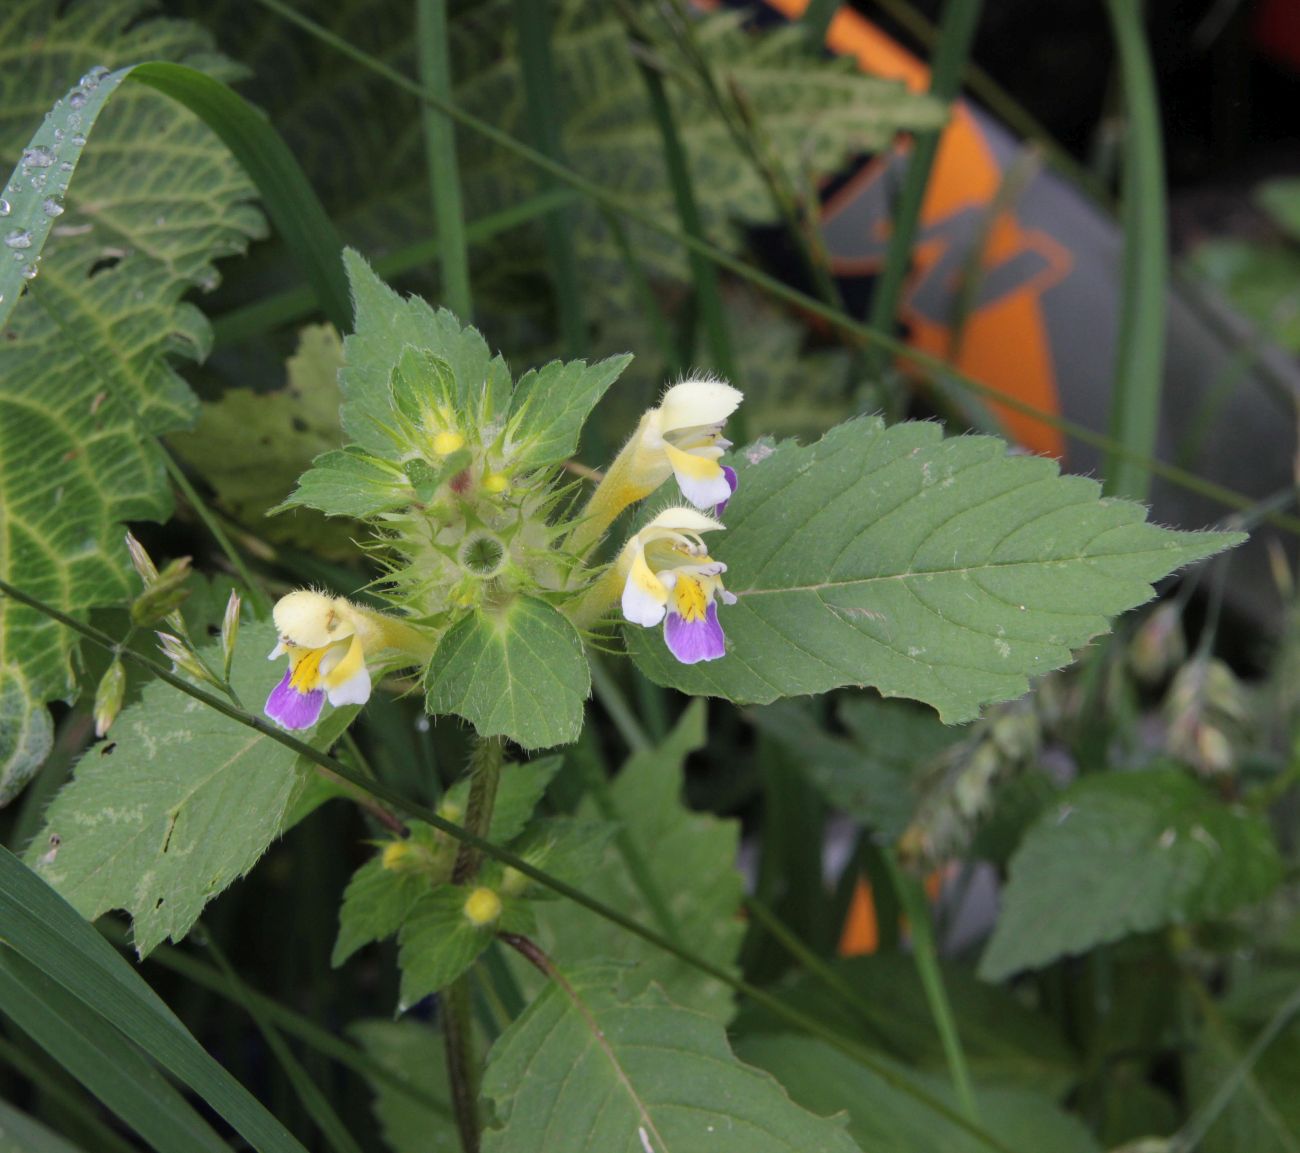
(550, 406)
(691, 860)
(568, 848)
(884, 1119)
(388, 327)
(85, 377)
(415, 1054)
(438, 941)
(349, 482)
(1125, 853)
(181, 803)
(519, 788)
(948, 571)
(593, 1069)
(516, 671)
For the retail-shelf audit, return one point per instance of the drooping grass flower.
(328, 640)
(668, 575)
(681, 438)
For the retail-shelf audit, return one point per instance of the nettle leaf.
(946, 570)
(412, 1098)
(594, 1069)
(516, 670)
(347, 482)
(552, 403)
(1127, 852)
(378, 900)
(571, 849)
(885, 1119)
(519, 788)
(690, 858)
(179, 804)
(251, 447)
(438, 941)
(85, 377)
(390, 327)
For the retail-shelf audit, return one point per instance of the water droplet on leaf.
(29, 271)
(38, 157)
(5, 207)
(77, 99)
(79, 141)
(19, 238)
(52, 207)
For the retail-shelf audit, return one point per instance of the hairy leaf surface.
(947, 571)
(690, 861)
(181, 802)
(590, 1069)
(85, 376)
(516, 671)
(1126, 853)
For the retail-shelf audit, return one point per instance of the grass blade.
(31, 200)
(1139, 359)
(99, 1057)
(440, 151)
(48, 933)
(21, 1134)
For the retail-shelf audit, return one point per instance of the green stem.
(308, 1092)
(708, 294)
(440, 153)
(1135, 407)
(959, 20)
(854, 329)
(815, 967)
(457, 1029)
(542, 97)
(462, 1072)
(917, 908)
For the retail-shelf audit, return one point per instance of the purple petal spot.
(290, 709)
(721, 506)
(694, 641)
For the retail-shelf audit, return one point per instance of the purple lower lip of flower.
(730, 474)
(694, 641)
(289, 708)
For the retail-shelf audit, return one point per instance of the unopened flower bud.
(513, 882)
(108, 697)
(482, 907)
(141, 560)
(182, 657)
(230, 632)
(164, 595)
(1213, 750)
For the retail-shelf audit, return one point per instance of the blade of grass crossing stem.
(288, 198)
(775, 288)
(955, 35)
(102, 1060)
(50, 935)
(912, 897)
(543, 97)
(440, 152)
(704, 274)
(309, 1094)
(44, 937)
(1139, 359)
